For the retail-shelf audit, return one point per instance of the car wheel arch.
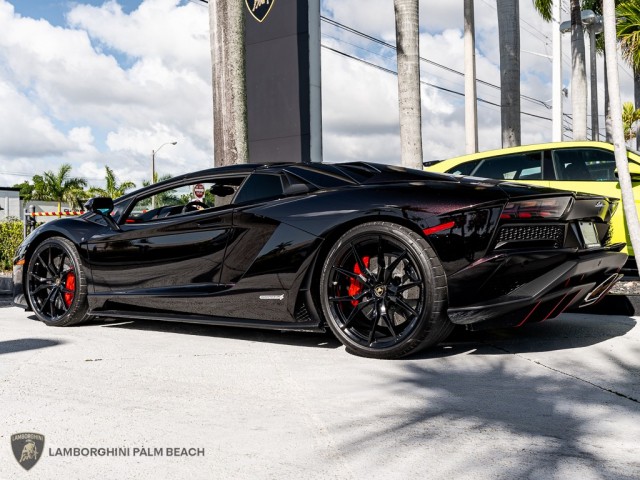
(312, 282)
(35, 243)
(73, 308)
(427, 325)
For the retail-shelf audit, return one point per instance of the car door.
(162, 263)
(264, 257)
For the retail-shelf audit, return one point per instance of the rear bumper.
(581, 279)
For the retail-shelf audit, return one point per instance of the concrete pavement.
(559, 399)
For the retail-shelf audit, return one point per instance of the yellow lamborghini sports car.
(576, 166)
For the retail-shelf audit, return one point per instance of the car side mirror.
(103, 206)
(100, 205)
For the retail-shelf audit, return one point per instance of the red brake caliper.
(355, 287)
(69, 284)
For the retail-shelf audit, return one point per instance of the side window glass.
(161, 205)
(601, 165)
(586, 164)
(464, 168)
(519, 166)
(182, 199)
(259, 187)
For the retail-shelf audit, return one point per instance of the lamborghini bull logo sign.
(259, 9)
(27, 448)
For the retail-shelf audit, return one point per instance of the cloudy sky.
(96, 83)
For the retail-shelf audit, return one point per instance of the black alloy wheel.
(56, 285)
(383, 291)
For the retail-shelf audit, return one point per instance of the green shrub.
(10, 238)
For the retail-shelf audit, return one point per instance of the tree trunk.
(626, 187)
(578, 74)
(636, 97)
(509, 34)
(229, 89)
(408, 48)
(470, 92)
(607, 106)
(593, 84)
(556, 96)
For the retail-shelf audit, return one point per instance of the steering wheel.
(194, 205)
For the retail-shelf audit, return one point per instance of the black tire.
(55, 283)
(383, 291)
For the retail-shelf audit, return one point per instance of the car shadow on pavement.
(568, 331)
(302, 339)
(23, 344)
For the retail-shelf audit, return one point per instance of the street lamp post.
(595, 27)
(153, 169)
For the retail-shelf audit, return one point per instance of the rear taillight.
(541, 208)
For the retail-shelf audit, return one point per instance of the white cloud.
(24, 129)
(72, 91)
(156, 29)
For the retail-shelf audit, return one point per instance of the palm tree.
(626, 187)
(578, 68)
(544, 8)
(230, 131)
(112, 189)
(59, 186)
(551, 10)
(509, 33)
(630, 119)
(408, 52)
(628, 29)
(34, 189)
(26, 190)
(470, 92)
(596, 7)
(578, 73)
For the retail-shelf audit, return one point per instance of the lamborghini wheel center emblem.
(259, 9)
(379, 291)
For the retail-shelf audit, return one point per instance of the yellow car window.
(518, 166)
(584, 164)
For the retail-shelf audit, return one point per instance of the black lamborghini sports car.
(390, 259)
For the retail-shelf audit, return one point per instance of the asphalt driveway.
(151, 400)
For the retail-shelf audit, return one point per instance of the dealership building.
(10, 203)
(12, 206)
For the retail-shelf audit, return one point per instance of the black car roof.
(320, 174)
(351, 172)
